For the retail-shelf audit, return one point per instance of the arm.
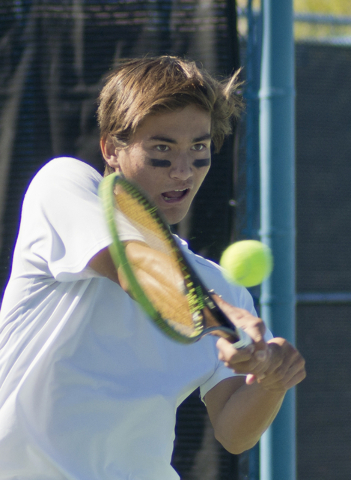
(240, 413)
(242, 409)
(103, 264)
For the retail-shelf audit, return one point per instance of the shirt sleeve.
(221, 373)
(63, 225)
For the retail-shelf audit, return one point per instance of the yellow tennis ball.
(247, 263)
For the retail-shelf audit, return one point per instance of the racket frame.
(237, 336)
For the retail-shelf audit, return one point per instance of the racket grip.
(245, 339)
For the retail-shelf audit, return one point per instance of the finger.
(259, 375)
(297, 378)
(285, 377)
(253, 326)
(284, 361)
(250, 379)
(258, 364)
(244, 361)
(286, 385)
(252, 367)
(267, 366)
(227, 352)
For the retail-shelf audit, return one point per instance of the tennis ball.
(247, 262)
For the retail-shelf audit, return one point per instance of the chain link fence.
(323, 221)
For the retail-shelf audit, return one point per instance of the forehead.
(190, 123)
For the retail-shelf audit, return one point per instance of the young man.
(89, 387)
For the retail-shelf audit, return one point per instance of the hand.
(283, 369)
(249, 360)
(275, 365)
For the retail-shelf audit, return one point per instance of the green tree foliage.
(326, 7)
(313, 30)
(329, 8)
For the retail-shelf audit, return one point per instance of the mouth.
(174, 196)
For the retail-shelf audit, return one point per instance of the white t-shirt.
(89, 387)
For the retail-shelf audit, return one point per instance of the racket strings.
(140, 215)
(169, 289)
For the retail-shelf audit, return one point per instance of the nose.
(182, 168)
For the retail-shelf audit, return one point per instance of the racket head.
(184, 321)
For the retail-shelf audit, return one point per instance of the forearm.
(241, 408)
(245, 416)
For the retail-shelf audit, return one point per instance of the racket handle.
(245, 339)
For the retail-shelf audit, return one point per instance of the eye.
(162, 148)
(199, 147)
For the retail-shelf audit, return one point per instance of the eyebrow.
(161, 138)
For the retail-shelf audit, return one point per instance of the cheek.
(148, 180)
(201, 175)
(133, 170)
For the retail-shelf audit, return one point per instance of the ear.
(110, 152)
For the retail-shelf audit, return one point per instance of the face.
(169, 157)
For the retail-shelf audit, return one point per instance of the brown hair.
(151, 85)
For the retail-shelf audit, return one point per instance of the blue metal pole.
(277, 172)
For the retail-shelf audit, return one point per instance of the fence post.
(277, 175)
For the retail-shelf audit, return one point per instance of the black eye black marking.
(154, 162)
(198, 163)
(202, 162)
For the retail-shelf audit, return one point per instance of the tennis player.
(89, 387)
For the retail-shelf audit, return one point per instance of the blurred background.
(53, 59)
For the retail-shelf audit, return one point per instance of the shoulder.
(60, 176)
(66, 167)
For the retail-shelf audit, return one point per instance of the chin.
(173, 219)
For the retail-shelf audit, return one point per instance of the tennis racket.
(176, 299)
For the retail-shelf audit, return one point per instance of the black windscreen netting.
(323, 202)
(53, 58)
